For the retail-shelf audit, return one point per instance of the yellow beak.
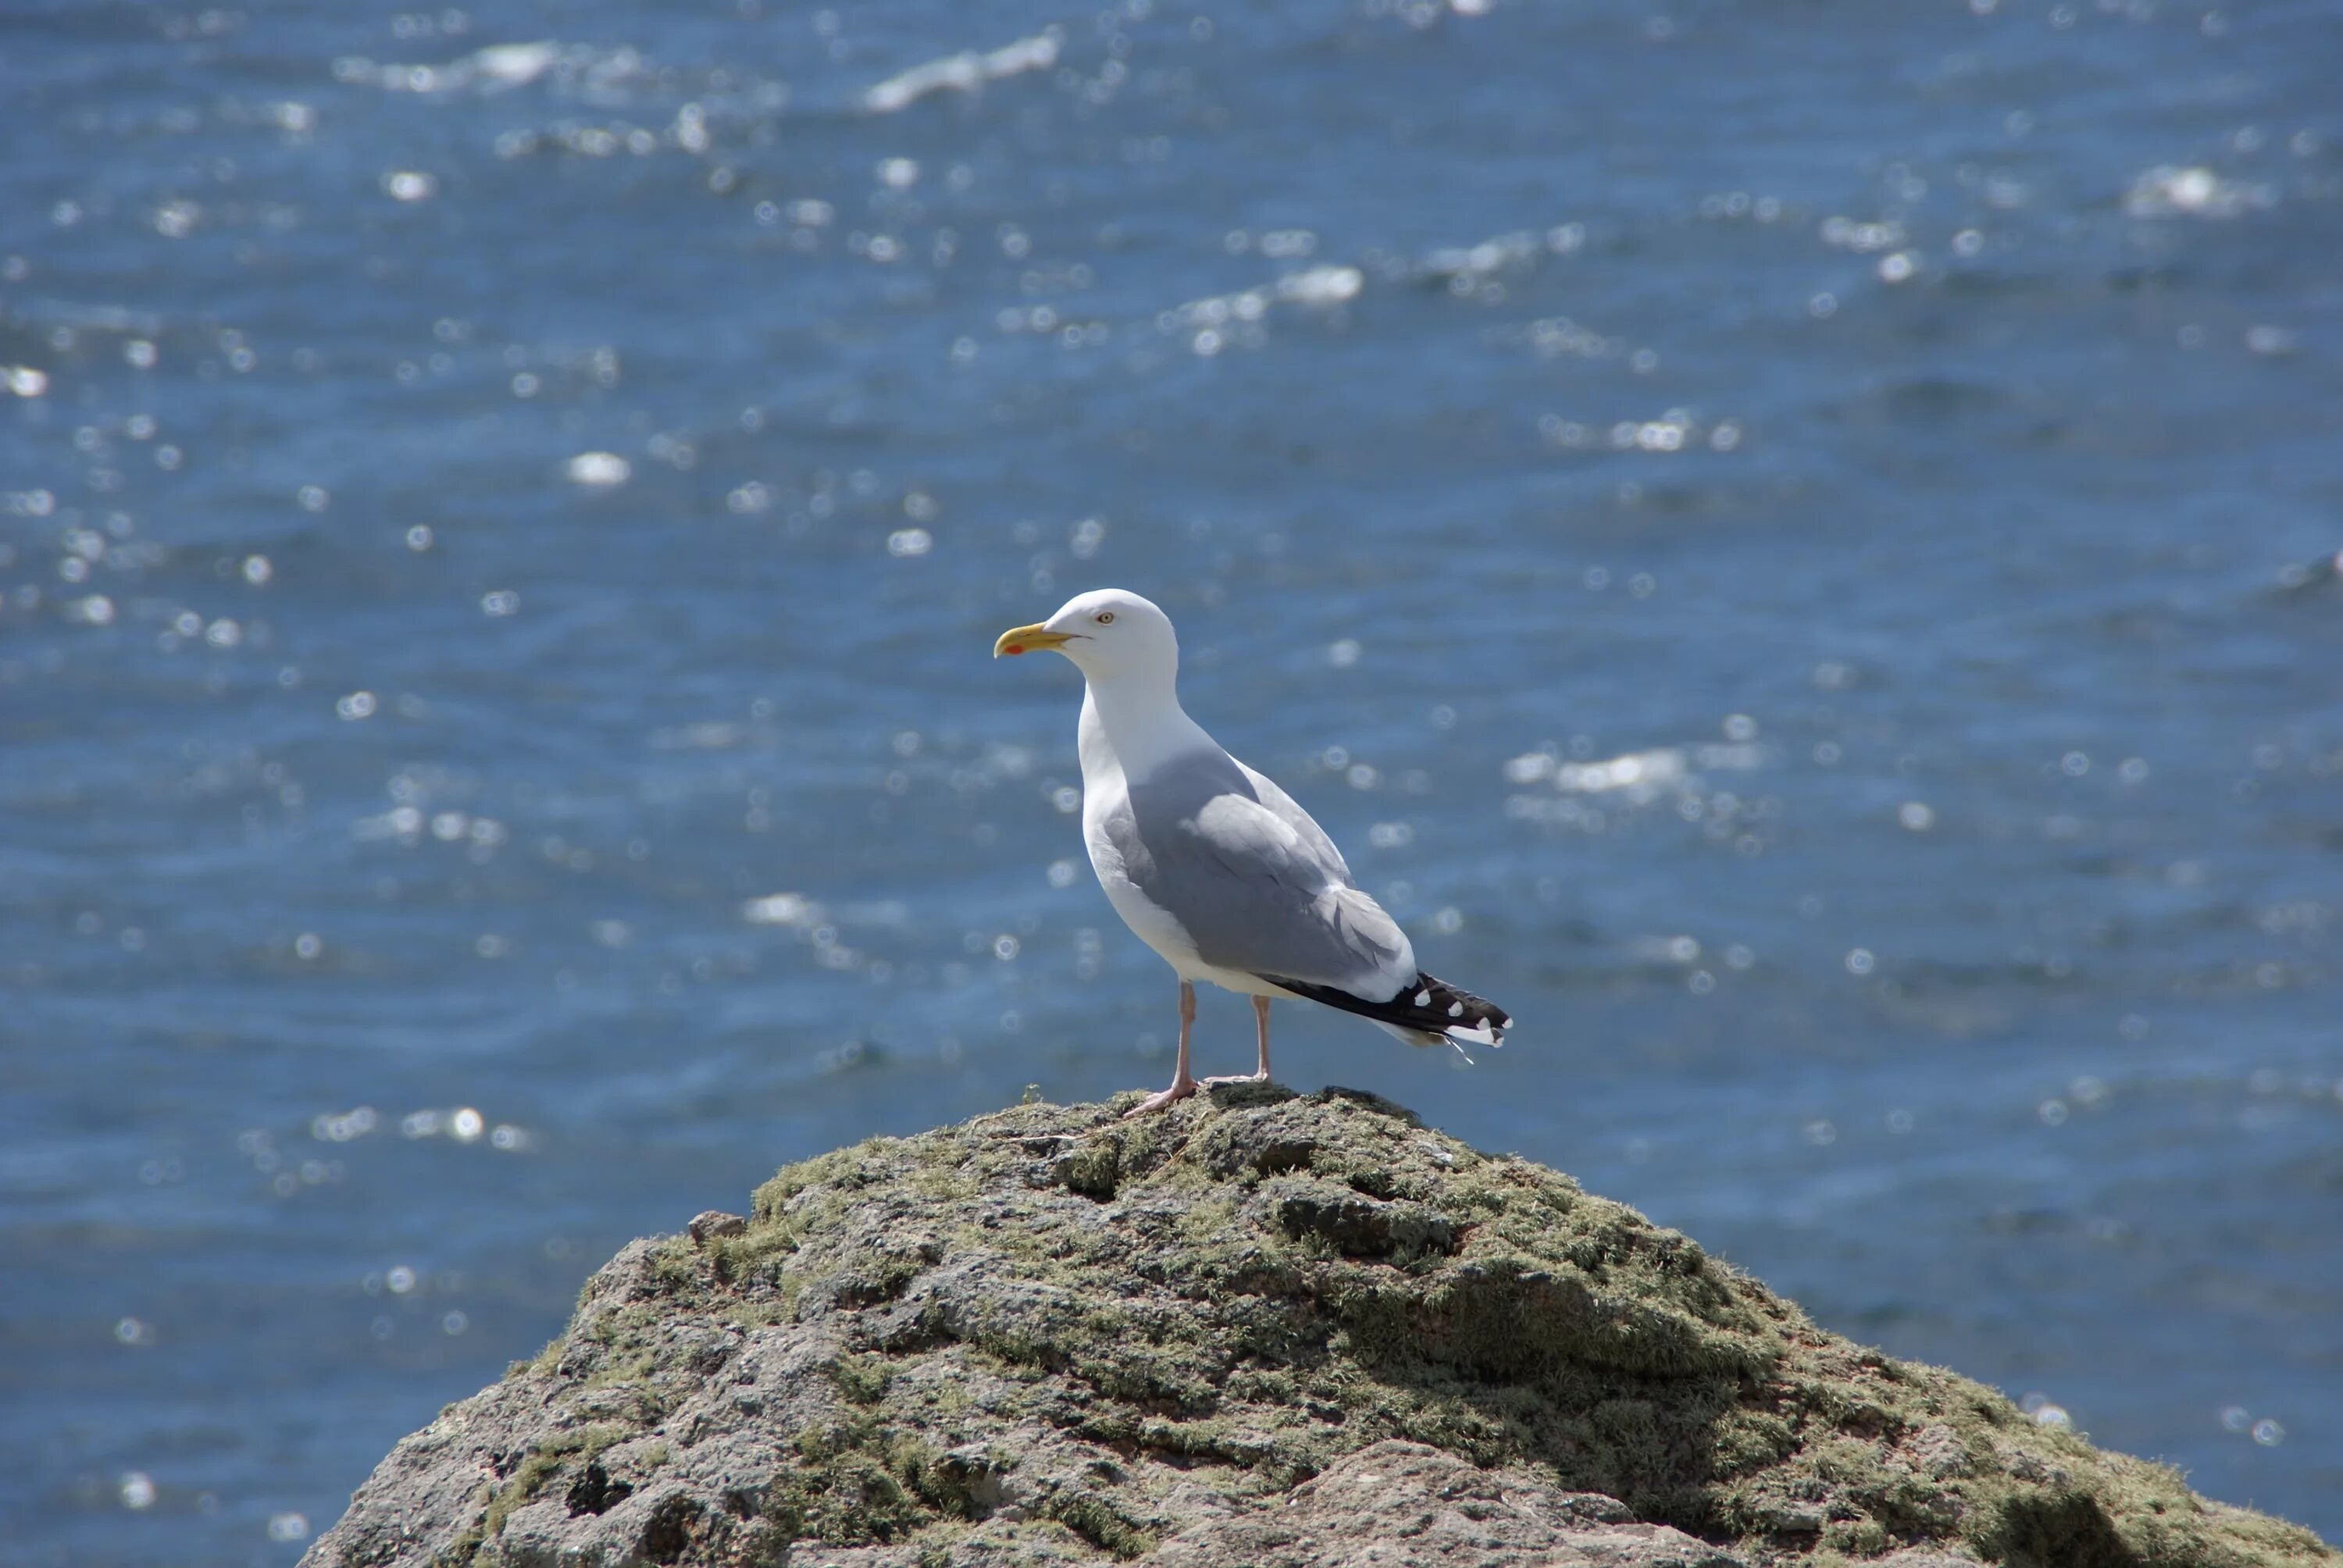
(1026, 638)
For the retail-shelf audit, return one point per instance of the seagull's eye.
(1104, 618)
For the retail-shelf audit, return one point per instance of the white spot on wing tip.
(1456, 1010)
(1423, 998)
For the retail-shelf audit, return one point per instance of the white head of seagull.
(1116, 638)
(1130, 657)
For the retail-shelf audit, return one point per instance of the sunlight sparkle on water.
(600, 469)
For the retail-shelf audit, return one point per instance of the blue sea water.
(1795, 546)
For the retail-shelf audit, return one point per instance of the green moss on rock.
(1049, 1335)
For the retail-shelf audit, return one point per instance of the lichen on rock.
(1259, 1328)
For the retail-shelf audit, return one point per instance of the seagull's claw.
(1182, 1088)
(1236, 1078)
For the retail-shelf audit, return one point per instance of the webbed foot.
(1182, 1088)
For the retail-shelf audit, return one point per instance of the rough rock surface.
(1261, 1329)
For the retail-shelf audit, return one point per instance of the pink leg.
(1261, 1025)
(1183, 1083)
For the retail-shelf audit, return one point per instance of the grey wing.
(1256, 892)
(1289, 811)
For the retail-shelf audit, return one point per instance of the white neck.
(1143, 722)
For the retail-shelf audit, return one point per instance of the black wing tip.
(1427, 1004)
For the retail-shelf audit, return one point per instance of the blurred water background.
(1792, 544)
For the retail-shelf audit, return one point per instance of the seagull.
(1214, 865)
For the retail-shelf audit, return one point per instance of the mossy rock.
(1260, 1328)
